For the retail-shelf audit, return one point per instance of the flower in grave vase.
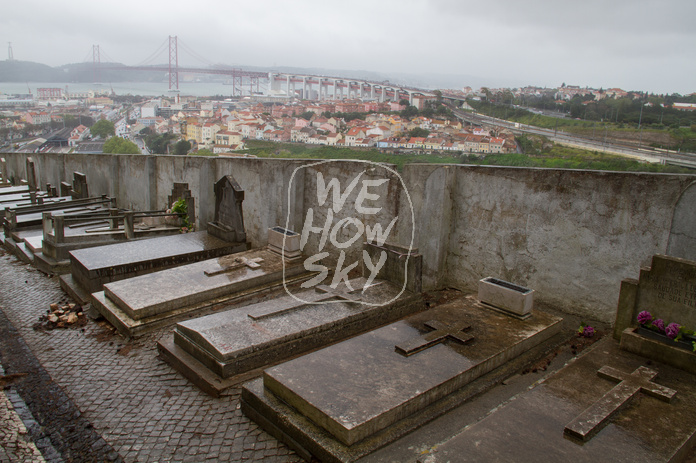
(672, 330)
(659, 324)
(644, 317)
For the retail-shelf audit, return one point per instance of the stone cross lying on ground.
(591, 420)
(237, 262)
(442, 331)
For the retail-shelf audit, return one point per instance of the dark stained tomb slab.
(213, 351)
(13, 190)
(142, 303)
(93, 267)
(346, 400)
(642, 426)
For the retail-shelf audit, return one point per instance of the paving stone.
(128, 399)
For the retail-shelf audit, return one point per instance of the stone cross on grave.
(442, 331)
(594, 418)
(234, 264)
(322, 293)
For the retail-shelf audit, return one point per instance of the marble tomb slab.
(531, 427)
(93, 267)
(213, 351)
(138, 304)
(341, 402)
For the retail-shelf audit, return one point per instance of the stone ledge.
(656, 350)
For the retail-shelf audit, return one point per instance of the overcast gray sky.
(631, 44)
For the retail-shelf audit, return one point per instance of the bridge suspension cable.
(193, 54)
(164, 47)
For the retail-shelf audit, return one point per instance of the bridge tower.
(173, 64)
(96, 63)
(10, 56)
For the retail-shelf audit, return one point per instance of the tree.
(409, 112)
(404, 102)
(103, 129)
(118, 145)
(157, 144)
(438, 96)
(307, 115)
(418, 132)
(182, 147)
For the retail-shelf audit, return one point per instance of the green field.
(540, 153)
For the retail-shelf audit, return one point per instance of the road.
(141, 144)
(646, 154)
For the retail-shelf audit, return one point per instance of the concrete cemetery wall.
(570, 235)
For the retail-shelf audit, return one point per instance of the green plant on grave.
(180, 207)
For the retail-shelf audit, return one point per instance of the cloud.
(545, 42)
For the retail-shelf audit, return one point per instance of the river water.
(126, 88)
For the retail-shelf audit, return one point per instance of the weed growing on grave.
(181, 208)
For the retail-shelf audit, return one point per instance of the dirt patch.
(433, 298)
(574, 345)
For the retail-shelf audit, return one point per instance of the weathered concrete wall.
(572, 236)
(682, 238)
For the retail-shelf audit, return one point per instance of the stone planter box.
(277, 235)
(510, 298)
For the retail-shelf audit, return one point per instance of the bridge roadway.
(354, 88)
(653, 155)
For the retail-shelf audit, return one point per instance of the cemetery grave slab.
(213, 351)
(93, 267)
(12, 190)
(141, 303)
(635, 415)
(345, 401)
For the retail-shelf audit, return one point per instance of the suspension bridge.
(239, 78)
(311, 87)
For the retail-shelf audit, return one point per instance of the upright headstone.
(65, 188)
(667, 290)
(79, 186)
(182, 191)
(229, 220)
(3, 172)
(31, 174)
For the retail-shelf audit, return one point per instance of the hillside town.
(56, 120)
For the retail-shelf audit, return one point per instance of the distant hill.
(20, 71)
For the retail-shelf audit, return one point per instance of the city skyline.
(643, 46)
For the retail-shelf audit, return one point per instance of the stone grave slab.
(13, 190)
(139, 304)
(343, 402)
(600, 386)
(667, 289)
(219, 350)
(92, 267)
